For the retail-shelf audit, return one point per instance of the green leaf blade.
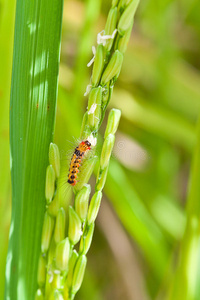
(32, 117)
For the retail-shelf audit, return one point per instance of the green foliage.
(7, 13)
(147, 179)
(186, 280)
(32, 116)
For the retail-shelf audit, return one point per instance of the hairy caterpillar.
(76, 161)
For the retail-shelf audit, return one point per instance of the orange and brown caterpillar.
(76, 160)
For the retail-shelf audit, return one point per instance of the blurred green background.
(139, 229)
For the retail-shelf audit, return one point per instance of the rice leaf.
(32, 116)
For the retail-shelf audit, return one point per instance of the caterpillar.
(76, 160)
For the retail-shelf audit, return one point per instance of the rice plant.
(117, 216)
(32, 115)
(61, 268)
